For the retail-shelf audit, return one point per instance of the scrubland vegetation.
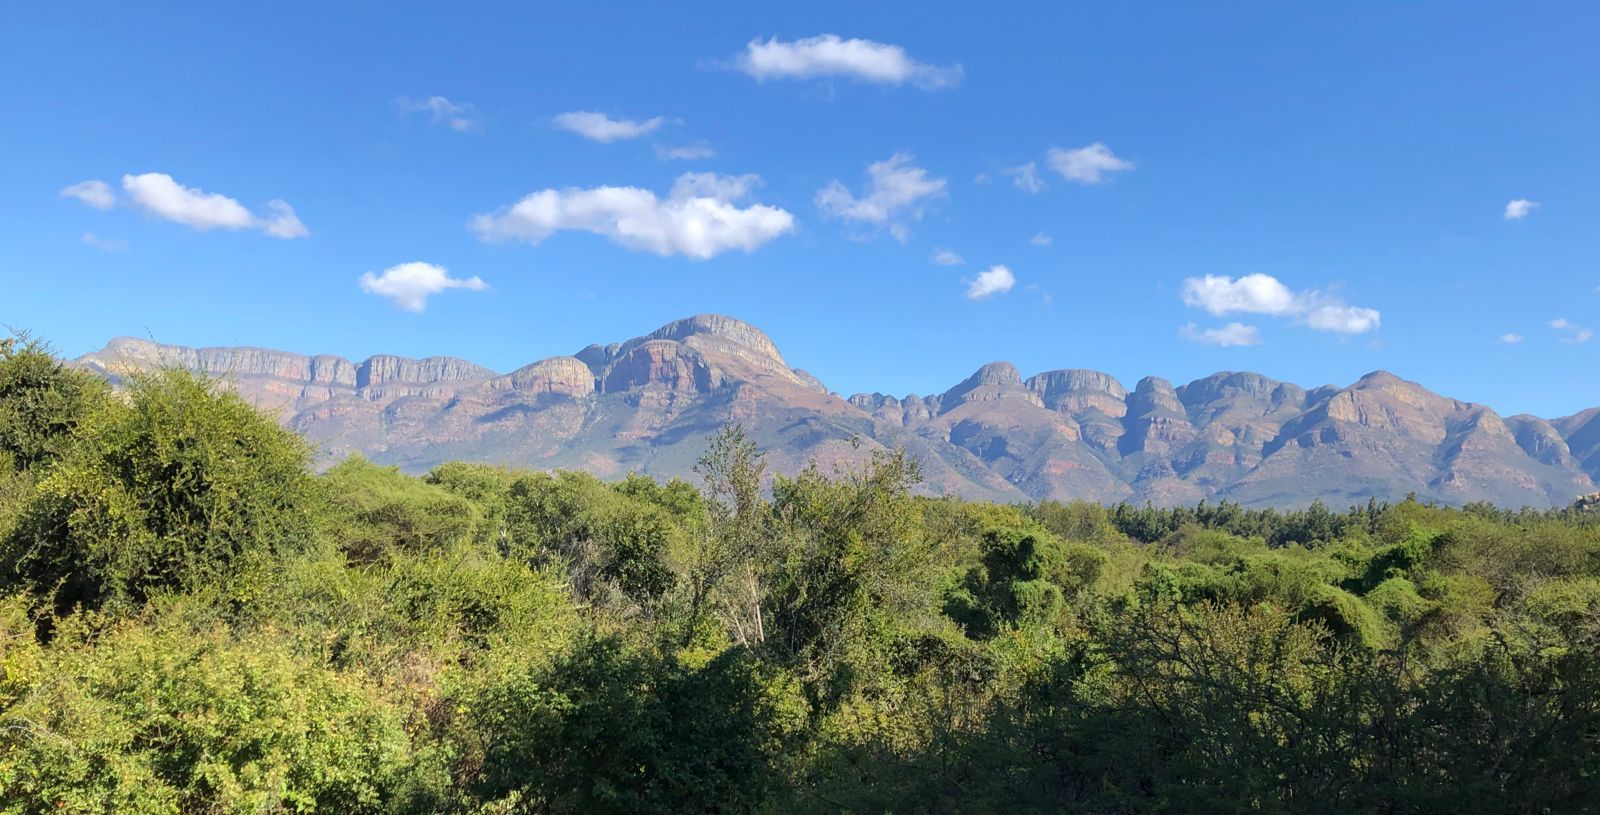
(193, 620)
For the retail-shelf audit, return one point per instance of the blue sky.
(1311, 192)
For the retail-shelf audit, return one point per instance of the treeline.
(193, 620)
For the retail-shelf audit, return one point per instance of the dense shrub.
(181, 485)
(149, 718)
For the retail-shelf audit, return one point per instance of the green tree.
(181, 486)
(42, 402)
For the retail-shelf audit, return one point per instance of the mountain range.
(647, 405)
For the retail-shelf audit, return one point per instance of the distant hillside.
(647, 404)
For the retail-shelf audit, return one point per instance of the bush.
(378, 511)
(146, 720)
(612, 729)
(42, 402)
(182, 486)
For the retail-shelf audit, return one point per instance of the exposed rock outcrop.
(647, 404)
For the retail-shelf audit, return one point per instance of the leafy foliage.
(191, 621)
(180, 486)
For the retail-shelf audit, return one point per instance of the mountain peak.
(996, 380)
(1379, 377)
(722, 327)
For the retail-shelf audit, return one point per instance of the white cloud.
(895, 188)
(409, 285)
(945, 257)
(596, 126)
(1520, 208)
(990, 282)
(830, 56)
(1265, 294)
(1230, 335)
(699, 219)
(1026, 177)
(1252, 293)
(160, 195)
(104, 244)
(982, 178)
(1041, 239)
(283, 223)
(1511, 339)
(1343, 319)
(1571, 334)
(461, 117)
(1086, 165)
(93, 192)
(900, 232)
(691, 152)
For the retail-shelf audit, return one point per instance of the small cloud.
(1510, 339)
(1520, 208)
(1026, 177)
(93, 192)
(283, 223)
(460, 117)
(990, 282)
(1041, 239)
(1265, 294)
(1252, 293)
(700, 218)
(409, 285)
(596, 126)
(1343, 319)
(900, 232)
(1086, 165)
(693, 152)
(895, 188)
(828, 55)
(160, 195)
(945, 257)
(1228, 336)
(983, 178)
(1571, 334)
(104, 244)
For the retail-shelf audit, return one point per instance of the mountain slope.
(648, 403)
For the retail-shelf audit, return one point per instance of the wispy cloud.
(461, 117)
(700, 218)
(1086, 165)
(896, 190)
(1265, 294)
(990, 282)
(1520, 208)
(1230, 335)
(690, 152)
(159, 195)
(1026, 177)
(1041, 239)
(1510, 339)
(409, 285)
(1571, 334)
(596, 126)
(104, 244)
(93, 192)
(830, 56)
(945, 257)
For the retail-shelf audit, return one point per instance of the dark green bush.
(180, 485)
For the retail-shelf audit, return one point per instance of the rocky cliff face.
(647, 404)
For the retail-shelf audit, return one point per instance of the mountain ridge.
(646, 403)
